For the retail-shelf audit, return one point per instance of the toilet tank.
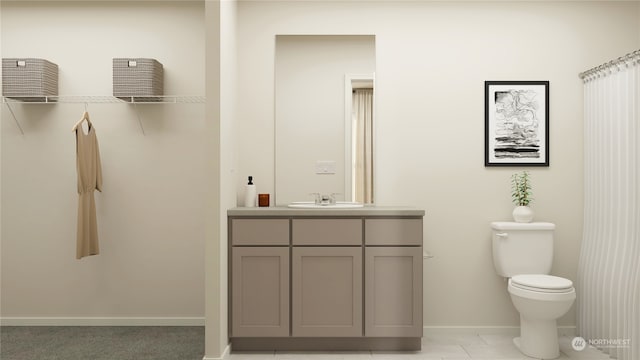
(522, 248)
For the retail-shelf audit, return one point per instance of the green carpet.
(101, 342)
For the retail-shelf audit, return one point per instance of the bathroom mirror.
(324, 117)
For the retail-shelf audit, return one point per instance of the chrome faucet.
(321, 199)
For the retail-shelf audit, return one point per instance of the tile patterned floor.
(437, 347)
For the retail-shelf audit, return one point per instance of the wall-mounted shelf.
(90, 99)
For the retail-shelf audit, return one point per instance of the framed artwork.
(516, 123)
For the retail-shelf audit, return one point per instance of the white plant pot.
(522, 214)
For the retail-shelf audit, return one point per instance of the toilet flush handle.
(502, 235)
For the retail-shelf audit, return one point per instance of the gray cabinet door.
(393, 292)
(260, 291)
(327, 291)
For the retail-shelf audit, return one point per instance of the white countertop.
(287, 211)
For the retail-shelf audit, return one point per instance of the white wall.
(220, 166)
(432, 61)
(228, 147)
(310, 110)
(150, 214)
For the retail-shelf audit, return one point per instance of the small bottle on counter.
(250, 193)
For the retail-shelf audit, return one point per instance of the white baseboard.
(493, 330)
(567, 331)
(102, 321)
(471, 330)
(226, 354)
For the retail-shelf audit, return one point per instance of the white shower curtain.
(609, 270)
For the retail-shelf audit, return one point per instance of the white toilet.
(523, 252)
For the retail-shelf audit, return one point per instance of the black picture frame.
(516, 123)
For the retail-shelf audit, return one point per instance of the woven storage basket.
(29, 79)
(139, 78)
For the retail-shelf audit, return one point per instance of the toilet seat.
(542, 283)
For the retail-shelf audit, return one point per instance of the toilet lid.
(538, 282)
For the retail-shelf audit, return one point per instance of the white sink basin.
(337, 205)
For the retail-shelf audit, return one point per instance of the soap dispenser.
(250, 193)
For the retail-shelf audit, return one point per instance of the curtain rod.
(610, 64)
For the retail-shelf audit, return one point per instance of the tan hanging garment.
(89, 171)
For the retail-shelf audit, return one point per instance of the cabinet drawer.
(327, 232)
(393, 232)
(260, 231)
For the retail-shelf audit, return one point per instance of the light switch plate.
(325, 167)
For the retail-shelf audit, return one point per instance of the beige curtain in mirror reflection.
(362, 145)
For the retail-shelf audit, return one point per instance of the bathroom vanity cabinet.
(325, 279)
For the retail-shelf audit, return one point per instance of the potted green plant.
(521, 196)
